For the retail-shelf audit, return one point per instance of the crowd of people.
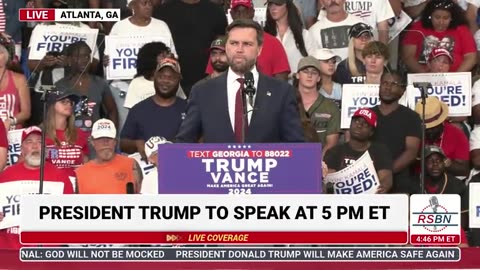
(188, 89)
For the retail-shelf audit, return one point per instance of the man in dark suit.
(215, 109)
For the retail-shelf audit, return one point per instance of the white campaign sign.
(455, 89)
(146, 167)
(123, 51)
(398, 24)
(358, 178)
(357, 96)
(10, 195)
(14, 146)
(56, 37)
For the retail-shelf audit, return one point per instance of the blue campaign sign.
(240, 168)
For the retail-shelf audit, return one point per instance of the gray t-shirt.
(88, 110)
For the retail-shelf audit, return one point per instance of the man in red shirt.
(272, 60)
(449, 138)
(26, 170)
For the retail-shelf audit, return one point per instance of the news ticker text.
(159, 254)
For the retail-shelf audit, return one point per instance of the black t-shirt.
(343, 74)
(167, 120)
(193, 27)
(392, 130)
(342, 156)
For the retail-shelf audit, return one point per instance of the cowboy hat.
(436, 111)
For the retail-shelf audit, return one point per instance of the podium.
(249, 168)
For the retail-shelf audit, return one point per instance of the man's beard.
(219, 66)
(33, 159)
(242, 68)
(166, 95)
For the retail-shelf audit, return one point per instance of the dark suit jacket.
(275, 117)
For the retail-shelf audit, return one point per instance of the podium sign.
(240, 168)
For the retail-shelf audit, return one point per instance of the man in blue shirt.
(159, 115)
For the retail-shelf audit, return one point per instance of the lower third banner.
(239, 254)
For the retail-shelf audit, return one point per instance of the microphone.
(434, 203)
(249, 88)
(130, 188)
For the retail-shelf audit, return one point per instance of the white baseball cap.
(151, 146)
(104, 128)
(128, 2)
(325, 54)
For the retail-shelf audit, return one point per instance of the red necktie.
(240, 118)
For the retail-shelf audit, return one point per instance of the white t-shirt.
(333, 35)
(476, 93)
(150, 183)
(370, 11)
(293, 53)
(155, 28)
(141, 89)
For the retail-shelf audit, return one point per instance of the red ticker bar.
(399, 238)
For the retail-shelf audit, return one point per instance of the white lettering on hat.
(366, 113)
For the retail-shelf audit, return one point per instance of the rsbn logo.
(434, 217)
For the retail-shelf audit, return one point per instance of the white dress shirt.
(232, 87)
(293, 53)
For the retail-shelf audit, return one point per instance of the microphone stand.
(245, 116)
(423, 93)
(248, 90)
(43, 99)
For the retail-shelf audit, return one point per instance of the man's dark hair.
(398, 73)
(242, 23)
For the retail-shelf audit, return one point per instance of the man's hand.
(1, 216)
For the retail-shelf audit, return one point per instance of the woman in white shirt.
(285, 23)
(141, 87)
